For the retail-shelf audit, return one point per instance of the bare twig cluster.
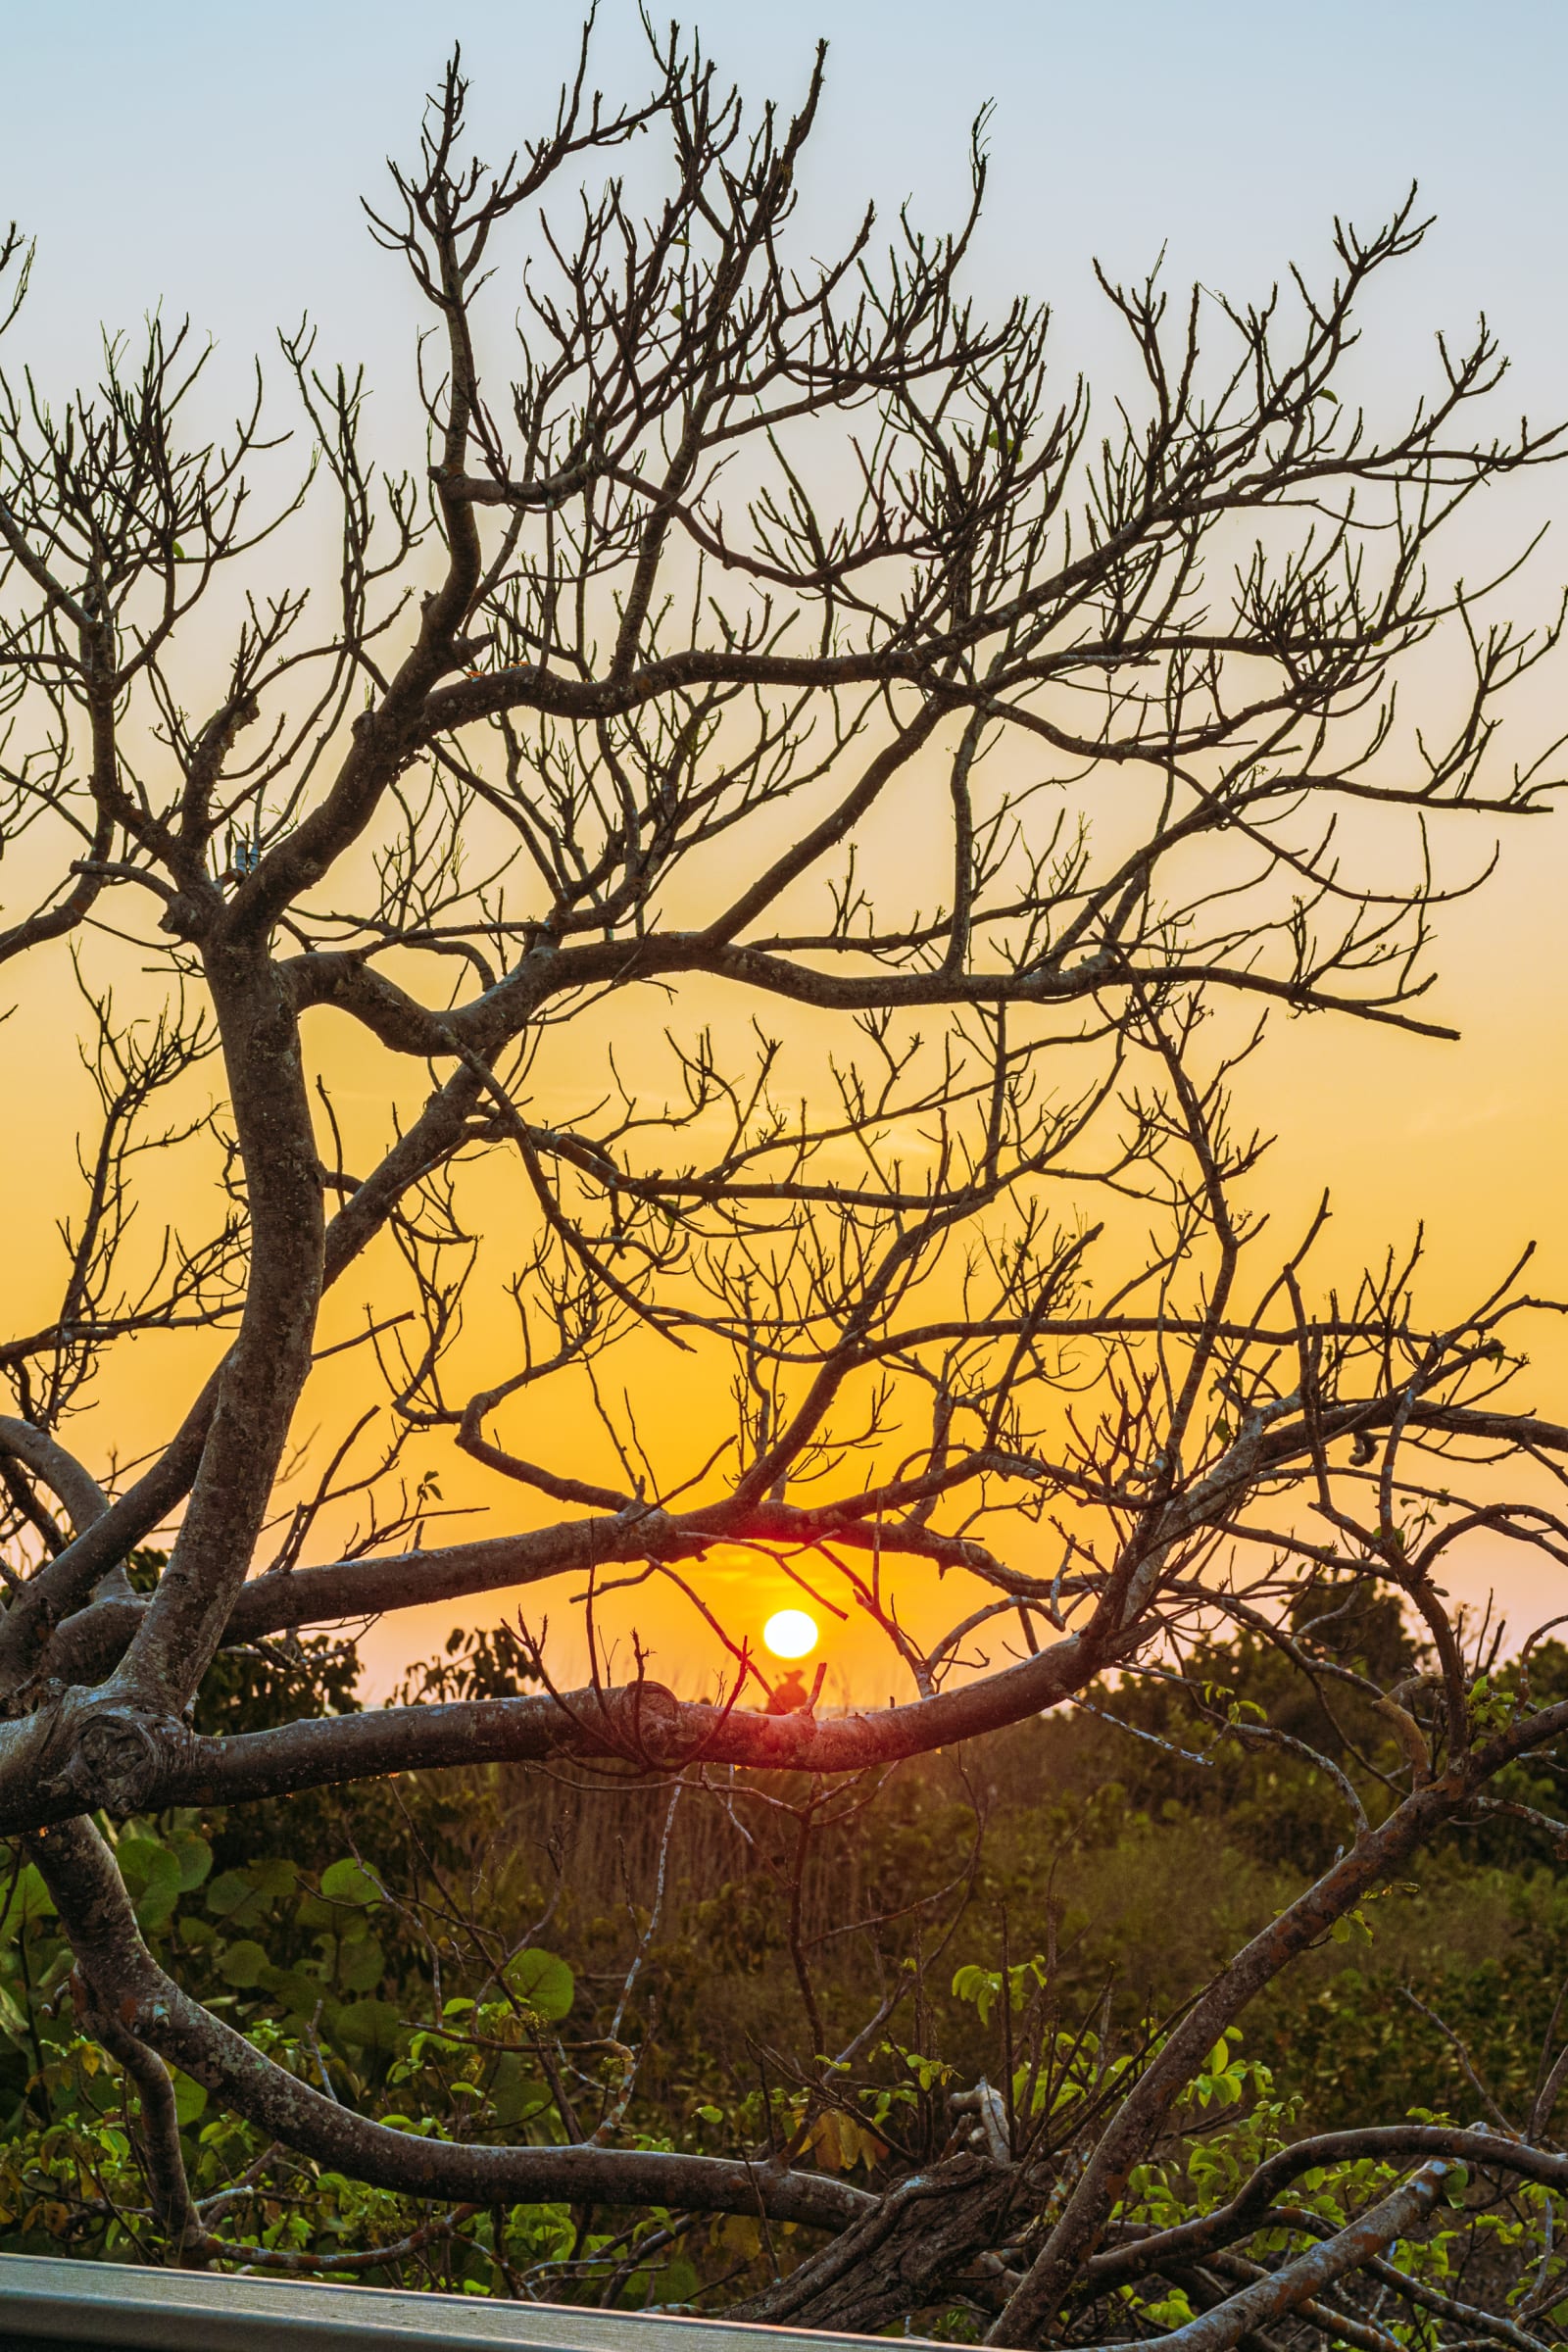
(780, 634)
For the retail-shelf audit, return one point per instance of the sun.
(790, 1633)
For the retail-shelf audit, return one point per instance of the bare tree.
(769, 632)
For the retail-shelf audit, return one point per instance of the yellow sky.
(1468, 1137)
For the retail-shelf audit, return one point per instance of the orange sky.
(1467, 1136)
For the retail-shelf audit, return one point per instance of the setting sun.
(790, 1633)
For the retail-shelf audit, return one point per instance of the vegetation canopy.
(811, 815)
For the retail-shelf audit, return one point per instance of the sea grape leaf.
(349, 1881)
(544, 1983)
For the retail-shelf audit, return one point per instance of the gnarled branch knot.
(120, 1757)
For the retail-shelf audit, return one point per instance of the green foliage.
(321, 1995)
(349, 1881)
(368, 1942)
(485, 1662)
(543, 1984)
(982, 1987)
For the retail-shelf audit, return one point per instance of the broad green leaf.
(147, 1867)
(244, 1963)
(367, 2025)
(195, 1859)
(544, 1983)
(30, 1900)
(190, 2099)
(156, 1909)
(228, 1891)
(299, 1991)
(361, 1965)
(515, 2099)
(151, 1873)
(349, 1881)
(274, 1876)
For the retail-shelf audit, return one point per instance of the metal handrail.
(46, 2301)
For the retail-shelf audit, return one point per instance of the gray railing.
(57, 2303)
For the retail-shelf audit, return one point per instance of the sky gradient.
(210, 162)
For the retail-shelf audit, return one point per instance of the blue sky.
(210, 157)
